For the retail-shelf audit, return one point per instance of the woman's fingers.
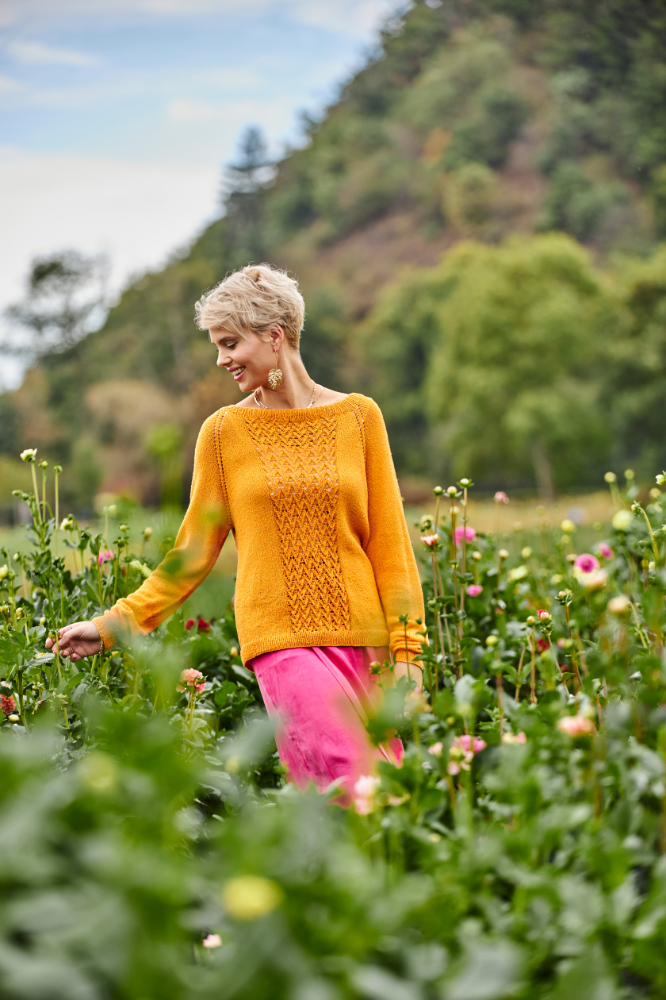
(77, 640)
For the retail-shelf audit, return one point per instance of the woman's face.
(248, 359)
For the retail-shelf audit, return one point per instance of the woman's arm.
(389, 548)
(200, 538)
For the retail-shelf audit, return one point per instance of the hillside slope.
(477, 119)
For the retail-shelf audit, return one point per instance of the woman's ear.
(277, 337)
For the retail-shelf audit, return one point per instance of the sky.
(117, 116)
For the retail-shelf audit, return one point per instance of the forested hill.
(523, 356)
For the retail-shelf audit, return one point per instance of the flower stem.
(35, 491)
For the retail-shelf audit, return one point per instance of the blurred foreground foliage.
(151, 847)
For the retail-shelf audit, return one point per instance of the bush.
(485, 137)
(575, 204)
(151, 848)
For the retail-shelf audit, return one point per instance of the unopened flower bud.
(465, 482)
(622, 520)
(629, 474)
(655, 493)
(619, 605)
(147, 533)
(610, 477)
(530, 620)
(476, 555)
(568, 526)
(503, 554)
(233, 651)
(4, 572)
(491, 640)
(29, 455)
(452, 491)
(661, 478)
(438, 491)
(526, 552)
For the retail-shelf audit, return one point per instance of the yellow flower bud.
(248, 897)
(619, 605)
(622, 520)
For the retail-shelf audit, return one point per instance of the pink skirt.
(320, 697)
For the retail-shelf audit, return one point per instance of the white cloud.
(136, 213)
(9, 87)
(358, 18)
(184, 110)
(37, 53)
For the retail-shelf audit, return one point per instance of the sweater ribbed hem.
(294, 640)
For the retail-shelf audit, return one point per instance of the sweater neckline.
(300, 413)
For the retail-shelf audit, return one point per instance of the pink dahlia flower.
(461, 753)
(436, 749)
(576, 725)
(474, 589)
(212, 941)
(514, 738)
(586, 563)
(469, 534)
(501, 497)
(606, 551)
(105, 556)
(194, 679)
(7, 704)
(430, 540)
(365, 793)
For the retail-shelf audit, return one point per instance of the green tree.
(637, 388)
(515, 377)
(64, 300)
(496, 359)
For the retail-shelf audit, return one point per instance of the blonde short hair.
(254, 298)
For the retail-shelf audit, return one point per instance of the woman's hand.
(78, 640)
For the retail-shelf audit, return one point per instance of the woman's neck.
(296, 390)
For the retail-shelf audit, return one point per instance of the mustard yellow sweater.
(324, 557)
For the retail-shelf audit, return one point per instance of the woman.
(303, 477)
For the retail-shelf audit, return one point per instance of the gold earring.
(275, 375)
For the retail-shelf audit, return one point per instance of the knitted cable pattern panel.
(299, 461)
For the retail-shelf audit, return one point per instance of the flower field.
(151, 847)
